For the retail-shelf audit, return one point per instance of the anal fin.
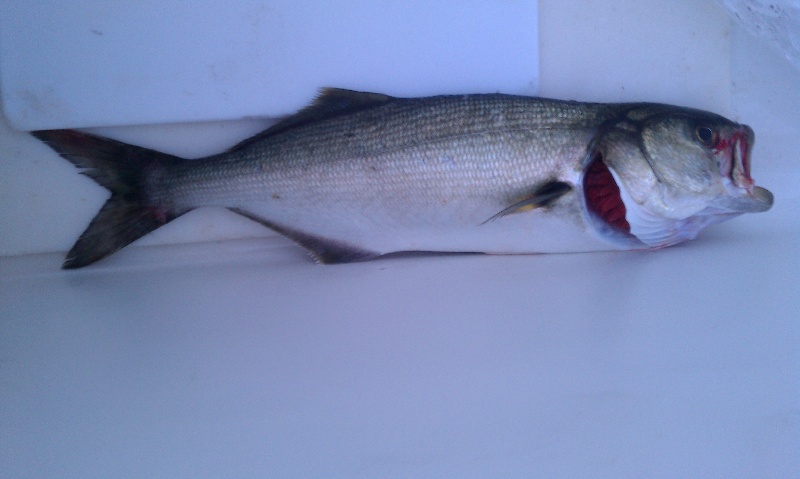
(324, 250)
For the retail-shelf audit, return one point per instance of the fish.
(357, 175)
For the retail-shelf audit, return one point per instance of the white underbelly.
(521, 233)
(446, 229)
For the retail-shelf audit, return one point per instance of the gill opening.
(602, 195)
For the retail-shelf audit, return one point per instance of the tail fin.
(122, 169)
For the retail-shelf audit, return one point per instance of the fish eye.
(706, 135)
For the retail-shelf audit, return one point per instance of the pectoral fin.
(543, 196)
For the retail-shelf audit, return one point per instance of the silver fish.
(358, 175)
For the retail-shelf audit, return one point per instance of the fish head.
(678, 170)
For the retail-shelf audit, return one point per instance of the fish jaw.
(741, 195)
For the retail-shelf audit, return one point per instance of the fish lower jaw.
(737, 200)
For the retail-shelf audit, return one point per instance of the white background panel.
(241, 358)
(94, 63)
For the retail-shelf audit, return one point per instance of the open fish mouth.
(736, 157)
(735, 151)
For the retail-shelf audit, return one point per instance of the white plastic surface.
(241, 358)
(775, 22)
(244, 359)
(100, 63)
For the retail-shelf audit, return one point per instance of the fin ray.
(116, 225)
(543, 196)
(324, 250)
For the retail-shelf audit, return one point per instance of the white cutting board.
(99, 63)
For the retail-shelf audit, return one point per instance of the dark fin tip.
(324, 250)
(602, 195)
(114, 165)
(333, 101)
(118, 224)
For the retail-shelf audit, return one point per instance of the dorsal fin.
(330, 102)
(334, 101)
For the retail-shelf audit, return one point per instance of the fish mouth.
(744, 196)
(736, 151)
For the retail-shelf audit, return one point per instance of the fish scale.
(358, 175)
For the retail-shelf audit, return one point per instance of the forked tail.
(123, 169)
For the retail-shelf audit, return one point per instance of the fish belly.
(457, 228)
